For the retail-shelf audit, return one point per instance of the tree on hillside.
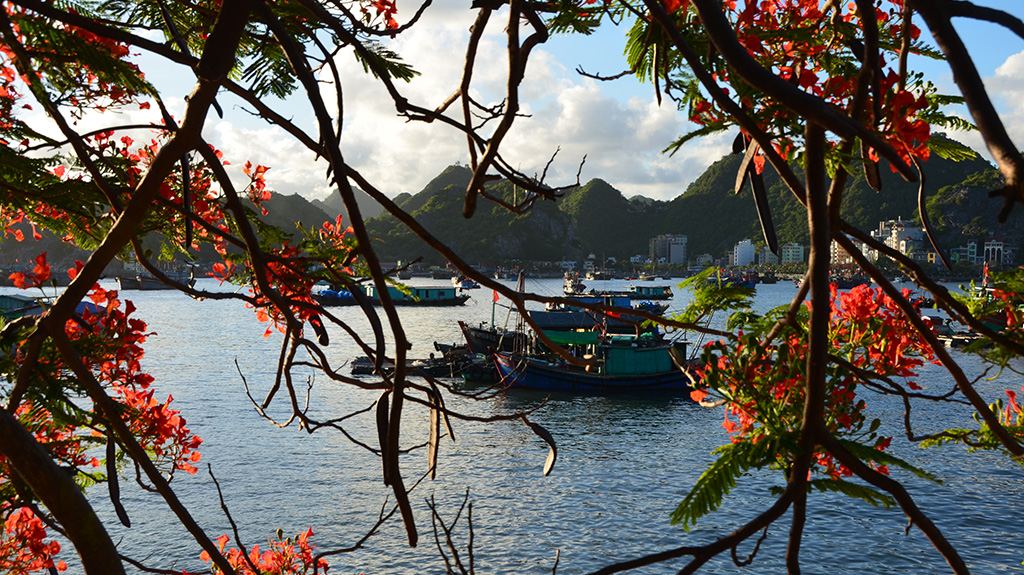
(803, 82)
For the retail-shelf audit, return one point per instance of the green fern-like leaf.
(387, 61)
(698, 133)
(866, 453)
(950, 150)
(719, 479)
(854, 490)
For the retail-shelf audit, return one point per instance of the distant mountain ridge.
(596, 218)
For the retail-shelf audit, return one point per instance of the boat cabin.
(650, 292)
(416, 293)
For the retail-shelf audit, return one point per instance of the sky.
(618, 126)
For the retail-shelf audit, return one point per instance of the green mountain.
(606, 222)
(494, 234)
(598, 219)
(333, 205)
(714, 218)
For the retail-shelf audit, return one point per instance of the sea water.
(624, 464)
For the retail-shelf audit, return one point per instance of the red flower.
(39, 275)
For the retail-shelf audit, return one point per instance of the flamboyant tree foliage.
(814, 89)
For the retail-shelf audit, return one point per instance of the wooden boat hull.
(485, 340)
(531, 373)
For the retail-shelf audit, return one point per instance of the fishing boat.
(569, 317)
(572, 286)
(486, 338)
(434, 296)
(617, 364)
(13, 306)
(149, 282)
(649, 292)
(17, 305)
(425, 296)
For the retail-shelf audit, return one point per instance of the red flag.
(495, 295)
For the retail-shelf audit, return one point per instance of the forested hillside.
(596, 218)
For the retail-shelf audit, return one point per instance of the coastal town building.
(668, 248)
(743, 253)
(791, 252)
(765, 256)
(998, 252)
(704, 260)
(839, 256)
(901, 236)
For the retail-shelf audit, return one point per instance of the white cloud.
(620, 136)
(1006, 88)
(621, 139)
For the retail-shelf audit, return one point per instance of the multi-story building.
(900, 236)
(705, 260)
(791, 253)
(669, 248)
(765, 256)
(839, 256)
(743, 253)
(998, 252)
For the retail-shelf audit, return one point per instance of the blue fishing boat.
(630, 364)
(568, 317)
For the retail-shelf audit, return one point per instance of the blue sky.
(617, 125)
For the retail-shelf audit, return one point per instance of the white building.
(743, 253)
(900, 236)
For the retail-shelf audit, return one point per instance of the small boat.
(572, 284)
(13, 306)
(567, 317)
(462, 282)
(436, 296)
(487, 338)
(331, 296)
(622, 364)
(146, 281)
(747, 279)
(649, 292)
(17, 305)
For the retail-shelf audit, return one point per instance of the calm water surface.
(624, 464)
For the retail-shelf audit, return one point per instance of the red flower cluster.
(36, 278)
(816, 51)
(765, 385)
(282, 557)
(23, 547)
(111, 343)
